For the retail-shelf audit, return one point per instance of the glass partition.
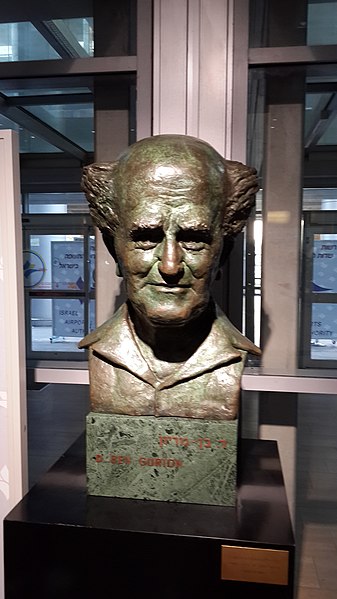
(74, 121)
(59, 275)
(51, 34)
(304, 22)
(276, 93)
(56, 203)
(22, 41)
(319, 295)
(45, 40)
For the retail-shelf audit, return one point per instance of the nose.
(170, 261)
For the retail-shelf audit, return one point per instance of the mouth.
(170, 287)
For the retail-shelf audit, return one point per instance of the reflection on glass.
(21, 41)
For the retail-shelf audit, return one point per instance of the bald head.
(178, 163)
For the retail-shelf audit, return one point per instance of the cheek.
(202, 265)
(136, 261)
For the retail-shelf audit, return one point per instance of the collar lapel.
(118, 346)
(215, 351)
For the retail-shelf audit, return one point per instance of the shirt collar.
(115, 342)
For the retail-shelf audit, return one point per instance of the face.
(168, 244)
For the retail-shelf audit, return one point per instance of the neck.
(173, 343)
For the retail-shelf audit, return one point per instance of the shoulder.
(236, 339)
(105, 329)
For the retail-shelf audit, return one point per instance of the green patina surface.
(164, 459)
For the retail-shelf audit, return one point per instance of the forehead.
(171, 186)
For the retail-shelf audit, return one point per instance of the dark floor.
(56, 417)
(317, 496)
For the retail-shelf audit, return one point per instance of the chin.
(171, 318)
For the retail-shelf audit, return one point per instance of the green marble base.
(165, 459)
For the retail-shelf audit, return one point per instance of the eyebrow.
(140, 225)
(195, 227)
(139, 230)
(197, 233)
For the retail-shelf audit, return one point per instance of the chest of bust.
(212, 394)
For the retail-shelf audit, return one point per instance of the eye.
(146, 238)
(194, 239)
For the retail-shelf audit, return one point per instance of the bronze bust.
(168, 210)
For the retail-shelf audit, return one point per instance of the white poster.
(324, 278)
(67, 259)
(67, 265)
(324, 321)
(68, 318)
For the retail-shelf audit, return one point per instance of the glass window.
(57, 325)
(22, 41)
(77, 34)
(322, 22)
(74, 121)
(320, 198)
(329, 135)
(59, 274)
(320, 117)
(311, 92)
(288, 23)
(113, 33)
(56, 203)
(28, 141)
(30, 90)
(52, 39)
(314, 105)
(49, 113)
(62, 256)
(319, 295)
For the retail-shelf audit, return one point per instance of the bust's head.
(168, 210)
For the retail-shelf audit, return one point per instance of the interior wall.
(13, 425)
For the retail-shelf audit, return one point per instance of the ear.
(243, 185)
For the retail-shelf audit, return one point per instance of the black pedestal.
(61, 543)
